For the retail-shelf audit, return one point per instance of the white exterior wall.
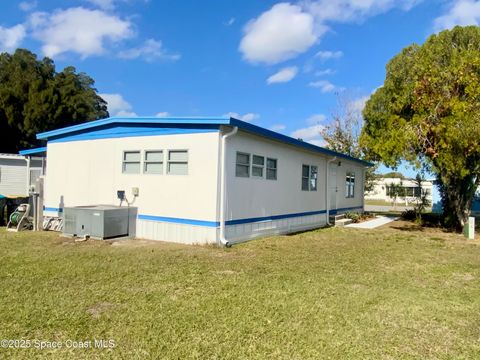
(89, 172)
(14, 174)
(258, 197)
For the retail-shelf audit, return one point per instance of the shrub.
(409, 215)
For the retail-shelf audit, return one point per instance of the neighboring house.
(18, 173)
(200, 180)
(403, 191)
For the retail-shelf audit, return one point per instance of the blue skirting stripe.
(179, 220)
(52, 209)
(238, 221)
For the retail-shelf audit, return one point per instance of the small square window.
(131, 162)
(177, 162)
(242, 168)
(153, 162)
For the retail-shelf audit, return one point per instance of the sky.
(281, 65)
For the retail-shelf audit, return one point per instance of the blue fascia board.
(199, 122)
(292, 141)
(129, 131)
(39, 150)
(135, 120)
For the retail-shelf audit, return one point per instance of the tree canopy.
(428, 113)
(35, 98)
(343, 135)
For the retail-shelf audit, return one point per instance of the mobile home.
(200, 180)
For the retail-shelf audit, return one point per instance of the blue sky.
(280, 65)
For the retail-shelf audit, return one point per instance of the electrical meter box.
(98, 222)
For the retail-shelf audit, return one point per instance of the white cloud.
(461, 12)
(162, 114)
(315, 119)
(326, 55)
(28, 5)
(248, 117)
(308, 133)
(353, 10)
(117, 105)
(10, 38)
(103, 4)
(325, 86)
(279, 34)
(79, 30)
(230, 22)
(278, 127)
(325, 72)
(284, 75)
(150, 51)
(358, 104)
(317, 142)
(286, 30)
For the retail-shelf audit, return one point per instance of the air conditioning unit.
(99, 221)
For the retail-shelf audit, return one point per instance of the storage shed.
(200, 180)
(19, 172)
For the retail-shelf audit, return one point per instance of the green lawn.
(392, 293)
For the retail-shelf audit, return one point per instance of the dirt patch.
(463, 277)
(97, 310)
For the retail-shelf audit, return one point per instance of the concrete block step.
(343, 222)
(334, 218)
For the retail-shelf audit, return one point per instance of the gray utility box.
(99, 222)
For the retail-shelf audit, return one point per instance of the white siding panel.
(243, 232)
(179, 233)
(13, 177)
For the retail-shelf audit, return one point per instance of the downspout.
(223, 195)
(327, 192)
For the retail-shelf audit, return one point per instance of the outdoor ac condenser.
(98, 222)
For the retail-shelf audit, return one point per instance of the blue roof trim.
(135, 120)
(198, 122)
(179, 220)
(33, 151)
(128, 130)
(254, 129)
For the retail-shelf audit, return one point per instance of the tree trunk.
(457, 196)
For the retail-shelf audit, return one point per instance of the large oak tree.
(35, 98)
(428, 112)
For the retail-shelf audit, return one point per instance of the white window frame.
(146, 161)
(247, 165)
(270, 168)
(131, 162)
(176, 162)
(310, 178)
(350, 185)
(256, 166)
